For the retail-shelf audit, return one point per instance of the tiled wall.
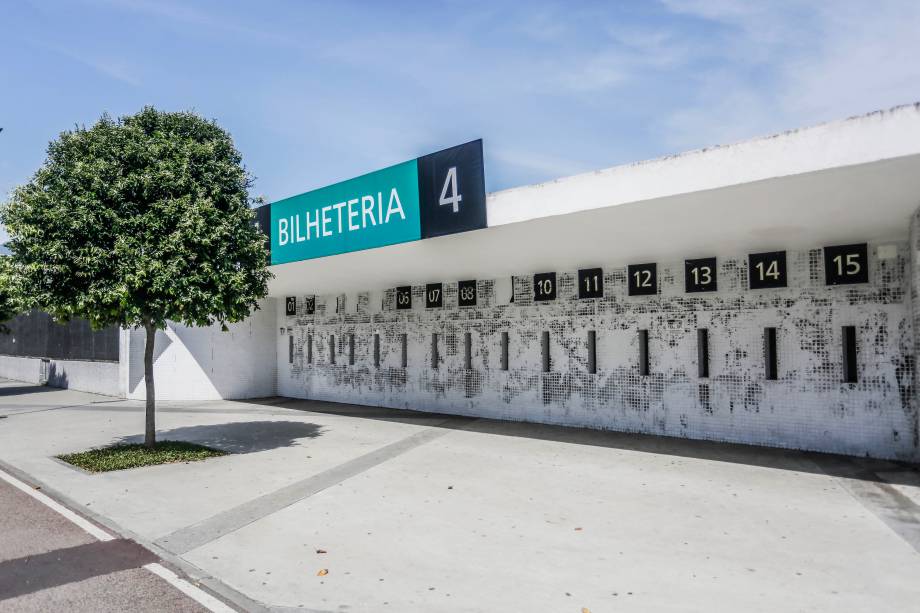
(914, 304)
(807, 407)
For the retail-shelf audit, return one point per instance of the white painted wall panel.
(208, 363)
(808, 407)
(85, 376)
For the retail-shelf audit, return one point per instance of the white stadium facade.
(766, 292)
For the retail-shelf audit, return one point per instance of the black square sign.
(845, 264)
(591, 283)
(700, 275)
(290, 306)
(404, 297)
(434, 296)
(452, 190)
(544, 286)
(309, 305)
(466, 293)
(643, 279)
(767, 270)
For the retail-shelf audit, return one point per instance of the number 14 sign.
(767, 270)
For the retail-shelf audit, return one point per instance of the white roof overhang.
(850, 181)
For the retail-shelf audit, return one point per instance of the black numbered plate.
(700, 275)
(452, 191)
(643, 279)
(544, 286)
(845, 264)
(591, 283)
(404, 297)
(309, 305)
(466, 293)
(434, 295)
(767, 270)
(290, 306)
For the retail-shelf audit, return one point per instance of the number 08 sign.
(437, 194)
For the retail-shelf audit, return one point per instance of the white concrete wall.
(206, 363)
(914, 303)
(85, 376)
(808, 407)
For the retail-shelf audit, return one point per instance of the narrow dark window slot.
(643, 353)
(504, 352)
(769, 353)
(468, 351)
(351, 349)
(545, 346)
(702, 352)
(404, 345)
(376, 351)
(592, 352)
(434, 350)
(309, 349)
(332, 348)
(849, 354)
(291, 349)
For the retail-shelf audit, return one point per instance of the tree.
(9, 305)
(136, 221)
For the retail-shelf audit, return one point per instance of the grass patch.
(120, 457)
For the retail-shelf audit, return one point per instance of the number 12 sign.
(642, 279)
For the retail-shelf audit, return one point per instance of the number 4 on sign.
(450, 182)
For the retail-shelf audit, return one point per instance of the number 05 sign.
(437, 194)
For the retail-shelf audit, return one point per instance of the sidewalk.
(423, 512)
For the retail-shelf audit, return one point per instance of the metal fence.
(36, 335)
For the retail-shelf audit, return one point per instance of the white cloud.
(796, 64)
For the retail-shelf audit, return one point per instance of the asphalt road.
(49, 564)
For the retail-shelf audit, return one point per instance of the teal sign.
(377, 209)
(434, 195)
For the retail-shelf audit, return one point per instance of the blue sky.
(318, 92)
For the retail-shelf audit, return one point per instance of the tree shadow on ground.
(239, 437)
(42, 571)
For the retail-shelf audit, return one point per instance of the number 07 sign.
(434, 195)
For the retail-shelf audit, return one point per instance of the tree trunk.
(150, 431)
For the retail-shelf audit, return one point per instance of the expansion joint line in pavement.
(191, 537)
(63, 406)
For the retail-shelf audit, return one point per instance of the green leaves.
(142, 218)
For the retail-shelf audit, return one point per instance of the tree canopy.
(9, 303)
(139, 220)
(136, 221)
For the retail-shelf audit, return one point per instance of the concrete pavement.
(419, 512)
